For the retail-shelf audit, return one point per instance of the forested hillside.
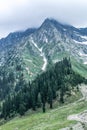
(57, 83)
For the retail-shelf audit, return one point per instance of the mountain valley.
(41, 67)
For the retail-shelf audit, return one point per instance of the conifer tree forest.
(53, 84)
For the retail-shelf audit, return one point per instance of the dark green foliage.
(43, 107)
(22, 109)
(58, 79)
(62, 92)
(50, 96)
(39, 102)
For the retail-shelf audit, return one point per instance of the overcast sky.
(21, 14)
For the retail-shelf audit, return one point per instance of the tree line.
(56, 82)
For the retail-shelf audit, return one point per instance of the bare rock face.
(78, 126)
(81, 117)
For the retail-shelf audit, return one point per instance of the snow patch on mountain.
(28, 60)
(82, 54)
(45, 62)
(85, 37)
(85, 63)
(41, 54)
(27, 69)
(83, 43)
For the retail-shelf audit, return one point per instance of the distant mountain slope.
(58, 41)
(27, 54)
(16, 50)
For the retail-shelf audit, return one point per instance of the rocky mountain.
(30, 51)
(56, 38)
(26, 54)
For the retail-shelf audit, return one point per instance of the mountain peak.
(47, 21)
(51, 20)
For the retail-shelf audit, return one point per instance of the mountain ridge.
(41, 67)
(54, 39)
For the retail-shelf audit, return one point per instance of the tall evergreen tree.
(50, 97)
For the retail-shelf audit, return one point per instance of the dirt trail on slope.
(81, 117)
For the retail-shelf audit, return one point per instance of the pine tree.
(22, 109)
(43, 101)
(39, 103)
(62, 91)
(33, 99)
(50, 96)
(43, 107)
(4, 110)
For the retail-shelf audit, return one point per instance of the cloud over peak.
(21, 14)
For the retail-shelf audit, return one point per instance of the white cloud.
(21, 14)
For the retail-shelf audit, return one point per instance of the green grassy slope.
(32, 64)
(51, 120)
(79, 67)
